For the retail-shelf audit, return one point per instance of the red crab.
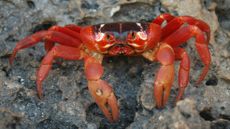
(152, 40)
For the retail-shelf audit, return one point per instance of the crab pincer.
(165, 75)
(100, 90)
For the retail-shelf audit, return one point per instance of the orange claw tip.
(197, 84)
(159, 107)
(112, 102)
(180, 93)
(40, 95)
(110, 108)
(202, 76)
(13, 55)
(39, 89)
(103, 95)
(111, 112)
(11, 60)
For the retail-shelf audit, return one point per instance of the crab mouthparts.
(121, 49)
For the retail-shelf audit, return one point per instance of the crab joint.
(99, 92)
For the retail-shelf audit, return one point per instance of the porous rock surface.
(67, 103)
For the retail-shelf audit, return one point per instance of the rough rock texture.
(67, 103)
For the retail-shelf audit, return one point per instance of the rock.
(11, 120)
(222, 59)
(220, 124)
(222, 12)
(183, 116)
(215, 104)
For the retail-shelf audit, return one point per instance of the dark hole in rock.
(21, 80)
(13, 124)
(17, 119)
(33, 47)
(213, 81)
(10, 38)
(186, 115)
(43, 26)
(74, 127)
(30, 4)
(7, 71)
(65, 99)
(5, 56)
(89, 4)
(220, 124)
(206, 114)
(226, 117)
(222, 108)
(31, 54)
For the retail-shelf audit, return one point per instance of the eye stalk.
(133, 35)
(137, 39)
(99, 36)
(104, 36)
(110, 37)
(139, 35)
(104, 40)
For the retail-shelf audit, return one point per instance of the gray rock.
(183, 116)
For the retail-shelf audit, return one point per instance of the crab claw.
(100, 90)
(165, 75)
(103, 95)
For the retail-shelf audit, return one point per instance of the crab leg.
(183, 76)
(165, 75)
(73, 27)
(100, 90)
(59, 51)
(53, 36)
(49, 44)
(185, 33)
(177, 22)
(161, 18)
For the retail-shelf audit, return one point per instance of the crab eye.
(133, 35)
(108, 37)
